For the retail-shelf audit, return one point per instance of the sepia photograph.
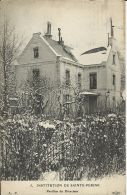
(62, 94)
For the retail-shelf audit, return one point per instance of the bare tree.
(9, 48)
(36, 94)
(68, 100)
(57, 100)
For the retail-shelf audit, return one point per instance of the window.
(113, 59)
(67, 77)
(114, 80)
(67, 103)
(93, 80)
(36, 52)
(114, 102)
(114, 99)
(79, 80)
(36, 77)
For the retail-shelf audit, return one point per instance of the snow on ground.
(52, 176)
(47, 125)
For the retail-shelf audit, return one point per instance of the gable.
(45, 51)
(113, 63)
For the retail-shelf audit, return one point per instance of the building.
(49, 60)
(102, 76)
(52, 63)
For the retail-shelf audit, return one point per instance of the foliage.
(94, 146)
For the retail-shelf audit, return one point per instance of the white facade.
(54, 59)
(107, 68)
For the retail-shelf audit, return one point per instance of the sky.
(84, 23)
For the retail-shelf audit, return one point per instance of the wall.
(24, 72)
(73, 89)
(116, 70)
(74, 70)
(105, 72)
(46, 62)
(54, 68)
(45, 53)
(101, 77)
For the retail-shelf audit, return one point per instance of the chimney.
(59, 34)
(112, 30)
(60, 38)
(111, 38)
(48, 33)
(37, 34)
(61, 41)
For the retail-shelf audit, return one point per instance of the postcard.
(62, 97)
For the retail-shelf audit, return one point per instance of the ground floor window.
(67, 100)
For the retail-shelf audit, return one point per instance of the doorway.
(92, 104)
